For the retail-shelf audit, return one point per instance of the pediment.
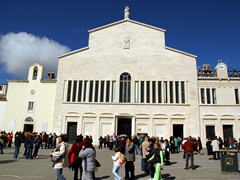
(89, 114)
(160, 116)
(106, 114)
(209, 116)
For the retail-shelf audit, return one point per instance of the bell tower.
(221, 70)
(35, 72)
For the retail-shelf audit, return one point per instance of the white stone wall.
(2, 110)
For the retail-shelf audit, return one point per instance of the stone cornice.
(181, 52)
(73, 52)
(126, 20)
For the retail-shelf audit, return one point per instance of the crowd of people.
(155, 152)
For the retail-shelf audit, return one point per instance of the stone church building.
(127, 81)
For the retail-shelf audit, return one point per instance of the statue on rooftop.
(126, 12)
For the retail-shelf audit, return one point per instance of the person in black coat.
(17, 144)
(209, 148)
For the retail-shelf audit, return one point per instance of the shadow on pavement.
(168, 177)
(140, 176)
(7, 161)
(103, 177)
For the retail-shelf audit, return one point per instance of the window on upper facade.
(214, 96)
(96, 91)
(237, 96)
(142, 91)
(30, 106)
(90, 99)
(102, 91)
(69, 89)
(125, 88)
(171, 91)
(159, 91)
(107, 91)
(1, 88)
(208, 96)
(183, 91)
(74, 91)
(202, 96)
(154, 92)
(177, 91)
(148, 91)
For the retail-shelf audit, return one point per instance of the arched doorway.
(28, 124)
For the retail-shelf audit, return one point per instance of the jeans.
(136, 149)
(115, 172)
(28, 153)
(143, 165)
(189, 156)
(16, 151)
(59, 174)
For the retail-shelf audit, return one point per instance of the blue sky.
(39, 31)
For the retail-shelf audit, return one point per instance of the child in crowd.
(116, 164)
(158, 160)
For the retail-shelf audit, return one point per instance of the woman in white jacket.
(63, 160)
(215, 147)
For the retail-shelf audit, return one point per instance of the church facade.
(127, 81)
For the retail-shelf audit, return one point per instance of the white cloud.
(19, 51)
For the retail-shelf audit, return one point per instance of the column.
(133, 125)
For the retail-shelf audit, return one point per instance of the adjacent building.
(3, 100)
(30, 102)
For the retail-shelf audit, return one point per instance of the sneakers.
(36, 156)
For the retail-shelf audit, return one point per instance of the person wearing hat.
(88, 155)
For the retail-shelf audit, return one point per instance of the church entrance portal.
(124, 126)
(28, 128)
(178, 130)
(71, 131)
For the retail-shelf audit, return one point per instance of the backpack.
(121, 158)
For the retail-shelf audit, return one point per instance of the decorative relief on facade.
(126, 42)
(32, 92)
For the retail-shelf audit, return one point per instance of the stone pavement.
(40, 169)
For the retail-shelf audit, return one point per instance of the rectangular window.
(183, 91)
(90, 92)
(214, 96)
(79, 91)
(171, 91)
(69, 89)
(237, 96)
(136, 92)
(102, 91)
(30, 106)
(107, 91)
(1, 88)
(74, 91)
(208, 97)
(148, 91)
(96, 91)
(165, 92)
(142, 91)
(202, 95)
(85, 90)
(159, 91)
(154, 92)
(177, 91)
(113, 91)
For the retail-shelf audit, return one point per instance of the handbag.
(97, 164)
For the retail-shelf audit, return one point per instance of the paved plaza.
(40, 169)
